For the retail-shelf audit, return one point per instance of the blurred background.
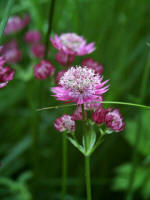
(30, 147)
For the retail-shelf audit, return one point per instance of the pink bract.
(89, 62)
(16, 23)
(6, 73)
(43, 70)
(11, 52)
(38, 50)
(114, 120)
(80, 85)
(72, 44)
(65, 123)
(64, 59)
(32, 37)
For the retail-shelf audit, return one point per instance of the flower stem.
(87, 177)
(64, 165)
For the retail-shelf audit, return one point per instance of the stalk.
(130, 191)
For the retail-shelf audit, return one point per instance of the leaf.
(76, 144)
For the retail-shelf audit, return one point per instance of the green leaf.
(76, 144)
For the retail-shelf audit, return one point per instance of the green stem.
(64, 166)
(87, 177)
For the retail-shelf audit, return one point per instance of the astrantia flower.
(65, 123)
(99, 115)
(89, 62)
(72, 44)
(114, 120)
(64, 59)
(32, 37)
(94, 105)
(59, 75)
(6, 73)
(11, 52)
(43, 70)
(80, 85)
(38, 50)
(16, 23)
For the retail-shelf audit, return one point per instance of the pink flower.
(59, 75)
(72, 44)
(43, 70)
(94, 105)
(90, 63)
(65, 123)
(15, 24)
(6, 73)
(38, 50)
(77, 115)
(99, 115)
(114, 120)
(11, 52)
(80, 85)
(32, 37)
(64, 59)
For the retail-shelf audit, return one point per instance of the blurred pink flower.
(59, 75)
(43, 70)
(6, 73)
(72, 44)
(16, 23)
(38, 50)
(65, 123)
(114, 120)
(64, 59)
(90, 63)
(32, 37)
(10, 51)
(99, 115)
(80, 85)
(77, 115)
(94, 105)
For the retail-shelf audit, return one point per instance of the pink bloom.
(59, 75)
(15, 24)
(90, 63)
(64, 59)
(80, 85)
(11, 52)
(114, 120)
(94, 105)
(65, 123)
(99, 115)
(6, 73)
(72, 44)
(77, 115)
(43, 70)
(38, 50)
(32, 37)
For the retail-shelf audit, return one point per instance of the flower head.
(6, 73)
(11, 52)
(15, 24)
(72, 44)
(114, 120)
(32, 37)
(65, 123)
(99, 115)
(38, 50)
(90, 63)
(64, 59)
(43, 70)
(80, 85)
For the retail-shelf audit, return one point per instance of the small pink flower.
(64, 59)
(15, 24)
(94, 105)
(77, 115)
(114, 120)
(59, 75)
(80, 85)
(43, 70)
(38, 50)
(10, 51)
(72, 44)
(6, 73)
(32, 37)
(99, 115)
(90, 63)
(65, 123)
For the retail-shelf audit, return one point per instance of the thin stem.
(87, 177)
(64, 166)
(51, 15)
